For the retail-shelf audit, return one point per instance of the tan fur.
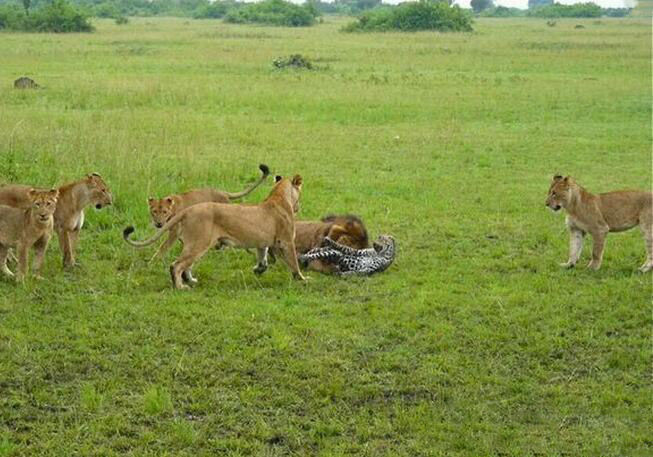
(347, 229)
(69, 215)
(164, 209)
(23, 229)
(202, 226)
(599, 214)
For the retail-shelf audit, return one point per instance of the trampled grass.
(473, 343)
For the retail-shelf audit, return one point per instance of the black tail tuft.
(128, 231)
(264, 169)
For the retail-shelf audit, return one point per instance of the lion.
(69, 215)
(599, 214)
(270, 224)
(23, 229)
(348, 230)
(164, 209)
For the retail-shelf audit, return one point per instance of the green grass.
(474, 343)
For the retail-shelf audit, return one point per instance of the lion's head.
(43, 202)
(559, 192)
(289, 190)
(99, 192)
(161, 210)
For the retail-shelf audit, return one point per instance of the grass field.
(474, 343)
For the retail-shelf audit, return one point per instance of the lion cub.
(162, 210)
(69, 215)
(23, 228)
(599, 214)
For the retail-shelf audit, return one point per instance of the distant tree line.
(73, 15)
(547, 9)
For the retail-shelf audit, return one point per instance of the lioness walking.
(205, 225)
(599, 214)
(164, 209)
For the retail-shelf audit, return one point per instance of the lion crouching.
(271, 224)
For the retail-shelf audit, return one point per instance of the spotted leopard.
(350, 261)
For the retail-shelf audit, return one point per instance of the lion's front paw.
(594, 265)
(568, 265)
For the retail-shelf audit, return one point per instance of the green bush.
(274, 12)
(558, 10)
(121, 20)
(413, 16)
(58, 17)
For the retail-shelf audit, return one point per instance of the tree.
(537, 3)
(480, 5)
(26, 5)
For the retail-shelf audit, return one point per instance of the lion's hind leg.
(181, 267)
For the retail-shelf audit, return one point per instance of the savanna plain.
(474, 343)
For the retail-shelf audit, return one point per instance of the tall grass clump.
(58, 17)
(274, 12)
(414, 16)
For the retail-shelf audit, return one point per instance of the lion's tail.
(265, 172)
(168, 225)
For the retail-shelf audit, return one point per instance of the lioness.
(600, 214)
(162, 210)
(23, 228)
(69, 215)
(348, 230)
(202, 226)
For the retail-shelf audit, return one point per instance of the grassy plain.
(474, 343)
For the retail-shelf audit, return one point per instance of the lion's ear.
(170, 200)
(32, 193)
(150, 200)
(278, 178)
(54, 193)
(567, 178)
(297, 181)
(557, 177)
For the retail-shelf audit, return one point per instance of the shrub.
(293, 61)
(58, 16)
(121, 20)
(413, 16)
(557, 10)
(274, 12)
